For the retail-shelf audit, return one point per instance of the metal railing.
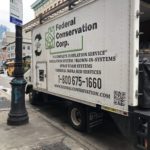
(50, 14)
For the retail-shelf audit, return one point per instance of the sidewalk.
(38, 134)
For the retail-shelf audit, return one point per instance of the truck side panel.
(87, 54)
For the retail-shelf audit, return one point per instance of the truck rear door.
(41, 75)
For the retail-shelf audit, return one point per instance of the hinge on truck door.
(138, 71)
(137, 94)
(139, 33)
(142, 129)
(139, 52)
(138, 14)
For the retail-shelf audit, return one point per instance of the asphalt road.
(105, 137)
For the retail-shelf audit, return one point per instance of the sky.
(28, 13)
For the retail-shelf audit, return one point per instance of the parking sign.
(16, 12)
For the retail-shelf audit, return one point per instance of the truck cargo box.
(88, 55)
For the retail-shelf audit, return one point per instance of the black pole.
(18, 114)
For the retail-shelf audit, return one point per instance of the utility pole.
(18, 114)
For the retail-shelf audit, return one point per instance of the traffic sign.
(16, 12)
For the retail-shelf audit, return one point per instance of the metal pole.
(18, 114)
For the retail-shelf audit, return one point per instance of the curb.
(85, 143)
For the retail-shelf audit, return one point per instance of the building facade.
(7, 38)
(3, 54)
(42, 6)
(26, 50)
(8, 46)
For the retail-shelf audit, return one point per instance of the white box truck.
(89, 56)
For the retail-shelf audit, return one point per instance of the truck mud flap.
(144, 83)
(94, 118)
(142, 129)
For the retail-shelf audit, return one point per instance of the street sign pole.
(18, 114)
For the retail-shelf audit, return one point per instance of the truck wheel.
(34, 97)
(77, 117)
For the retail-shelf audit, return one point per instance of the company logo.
(50, 38)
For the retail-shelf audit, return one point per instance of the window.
(23, 47)
(28, 47)
(8, 48)
(41, 75)
(12, 48)
(8, 55)
(12, 55)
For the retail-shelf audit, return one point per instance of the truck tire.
(34, 97)
(77, 117)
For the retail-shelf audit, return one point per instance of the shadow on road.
(104, 137)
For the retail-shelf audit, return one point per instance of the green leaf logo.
(50, 38)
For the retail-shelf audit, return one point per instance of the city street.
(75, 75)
(54, 115)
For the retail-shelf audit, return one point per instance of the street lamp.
(18, 114)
